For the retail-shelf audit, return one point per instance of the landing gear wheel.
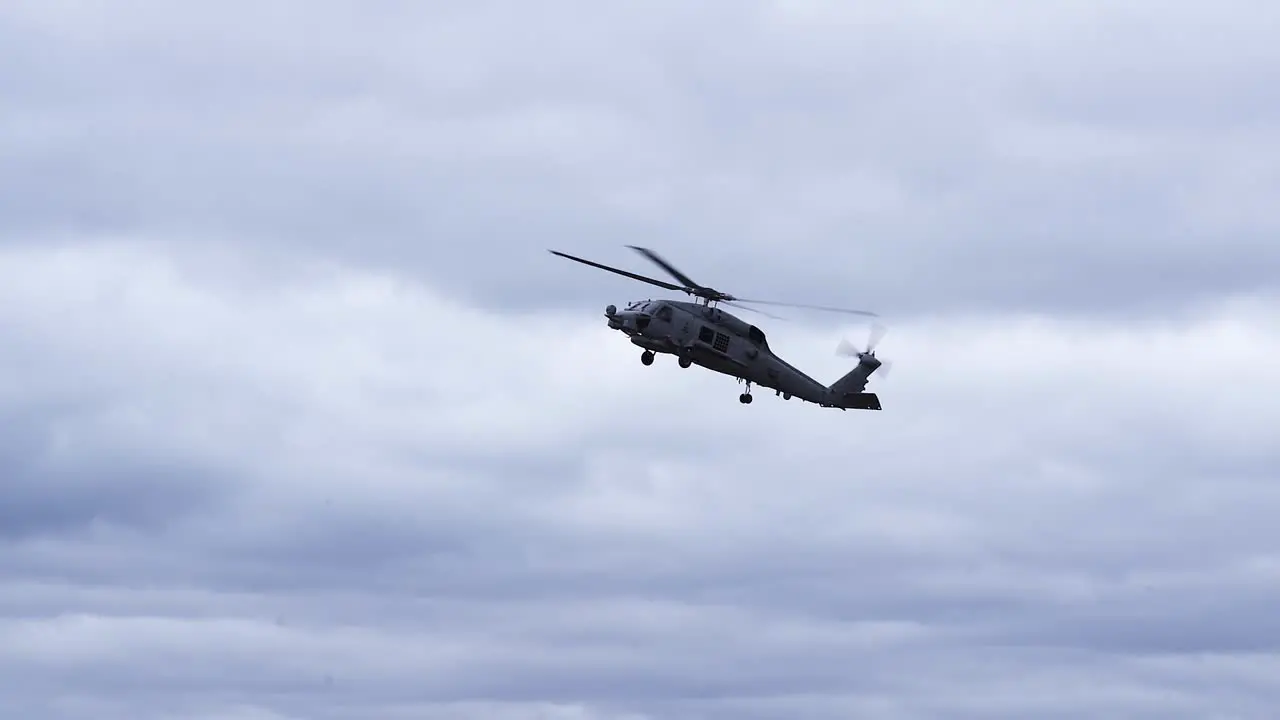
(646, 357)
(745, 399)
(685, 362)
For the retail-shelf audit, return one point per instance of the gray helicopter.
(700, 333)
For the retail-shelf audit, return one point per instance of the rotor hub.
(709, 295)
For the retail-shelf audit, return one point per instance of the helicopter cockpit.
(651, 309)
(639, 314)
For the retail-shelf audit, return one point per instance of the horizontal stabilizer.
(860, 401)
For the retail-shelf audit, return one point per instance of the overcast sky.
(298, 418)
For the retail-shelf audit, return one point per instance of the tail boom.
(847, 393)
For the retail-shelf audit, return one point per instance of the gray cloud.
(992, 540)
(906, 160)
(299, 420)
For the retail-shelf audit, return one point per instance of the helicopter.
(700, 333)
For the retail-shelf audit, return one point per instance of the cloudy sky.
(298, 418)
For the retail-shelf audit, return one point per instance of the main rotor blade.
(657, 260)
(866, 313)
(624, 273)
(754, 310)
(875, 336)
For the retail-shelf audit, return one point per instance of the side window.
(664, 313)
(706, 335)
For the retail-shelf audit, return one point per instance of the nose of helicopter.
(628, 321)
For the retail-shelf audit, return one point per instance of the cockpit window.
(664, 313)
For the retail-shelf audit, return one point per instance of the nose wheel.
(646, 357)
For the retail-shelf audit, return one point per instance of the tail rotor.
(877, 334)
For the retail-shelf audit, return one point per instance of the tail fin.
(856, 379)
(848, 390)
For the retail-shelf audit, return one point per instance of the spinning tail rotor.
(868, 354)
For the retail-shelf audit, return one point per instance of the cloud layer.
(299, 420)
(1065, 156)
(286, 494)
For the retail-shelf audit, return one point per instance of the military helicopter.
(700, 333)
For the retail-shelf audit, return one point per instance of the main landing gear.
(745, 398)
(647, 357)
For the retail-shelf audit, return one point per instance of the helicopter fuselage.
(704, 335)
